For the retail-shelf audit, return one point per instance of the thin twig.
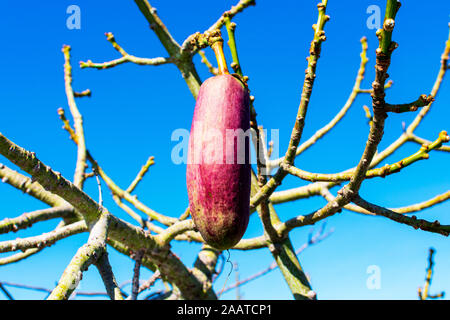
(115, 189)
(99, 185)
(6, 292)
(424, 293)
(136, 272)
(28, 219)
(213, 70)
(434, 227)
(384, 171)
(43, 240)
(150, 282)
(315, 239)
(46, 290)
(78, 121)
(125, 58)
(340, 115)
(140, 175)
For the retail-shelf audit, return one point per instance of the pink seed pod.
(218, 172)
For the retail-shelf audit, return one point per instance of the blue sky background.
(134, 110)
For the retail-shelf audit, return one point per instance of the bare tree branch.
(43, 240)
(28, 219)
(423, 293)
(80, 168)
(435, 226)
(125, 58)
(316, 238)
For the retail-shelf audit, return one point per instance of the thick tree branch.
(30, 187)
(170, 266)
(204, 268)
(85, 256)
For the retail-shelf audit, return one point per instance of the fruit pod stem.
(217, 46)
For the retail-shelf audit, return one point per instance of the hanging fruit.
(218, 170)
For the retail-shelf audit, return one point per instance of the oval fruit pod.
(218, 172)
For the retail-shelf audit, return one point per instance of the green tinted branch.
(125, 58)
(28, 219)
(423, 101)
(140, 175)
(379, 172)
(43, 240)
(85, 256)
(434, 227)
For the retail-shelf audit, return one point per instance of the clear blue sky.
(134, 109)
